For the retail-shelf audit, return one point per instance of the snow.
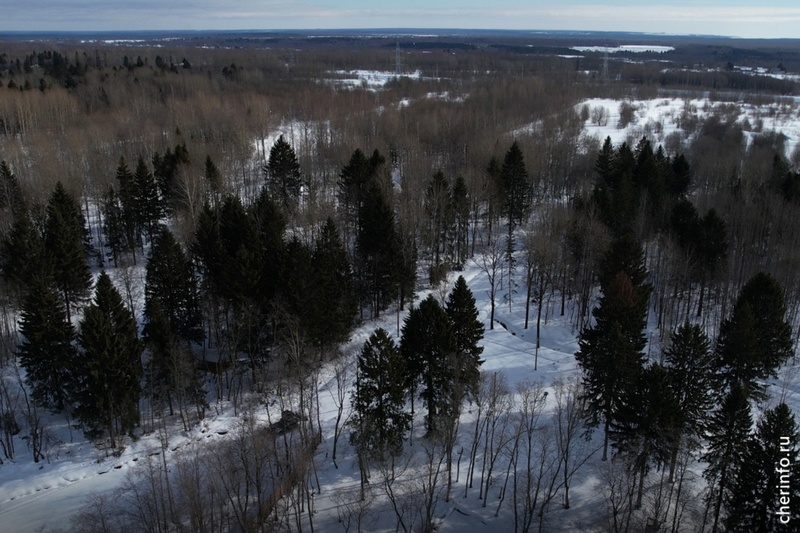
(371, 79)
(630, 48)
(659, 117)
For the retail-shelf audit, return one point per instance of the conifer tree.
(108, 366)
(644, 422)
(689, 362)
(114, 225)
(379, 256)
(459, 200)
(728, 433)
(64, 246)
(170, 280)
(126, 192)
(148, 203)
(611, 351)
(333, 295)
(354, 181)
(468, 333)
(10, 191)
(283, 173)
(46, 351)
(763, 497)
(380, 421)
(24, 259)
(437, 206)
(516, 200)
(429, 350)
(756, 340)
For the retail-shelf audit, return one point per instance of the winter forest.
(417, 284)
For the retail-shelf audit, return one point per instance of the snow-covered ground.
(659, 117)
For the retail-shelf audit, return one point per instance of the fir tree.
(126, 187)
(108, 366)
(728, 433)
(429, 350)
(24, 260)
(459, 200)
(468, 333)
(377, 248)
(148, 203)
(380, 421)
(46, 351)
(64, 246)
(644, 422)
(611, 352)
(333, 296)
(283, 173)
(114, 225)
(756, 340)
(170, 280)
(766, 489)
(10, 191)
(689, 362)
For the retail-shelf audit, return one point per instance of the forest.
(318, 252)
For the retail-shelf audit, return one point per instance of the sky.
(735, 18)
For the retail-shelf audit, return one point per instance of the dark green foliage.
(24, 260)
(429, 350)
(165, 171)
(10, 192)
(459, 200)
(770, 471)
(468, 333)
(332, 293)
(282, 172)
(640, 182)
(46, 351)
(756, 340)
(114, 225)
(212, 176)
(148, 203)
(691, 375)
(108, 366)
(728, 433)
(297, 284)
(354, 181)
(128, 206)
(437, 207)
(64, 246)
(611, 352)
(645, 423)
(380, 421)
(515, 186)
(170, 281)
(378, 251)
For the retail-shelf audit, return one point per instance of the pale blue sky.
(766, 19)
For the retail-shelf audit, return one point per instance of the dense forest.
(187, 231)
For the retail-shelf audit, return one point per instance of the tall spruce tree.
(148, 203)
(378, 253)
(108, 366)
(611, 353)
(644, 422)
(756, 340)
(763, 497)
(689, 362)
(24, 260)
(728, 432)
(380, 421)
(170, 280)
(47, 352)
(283, 173)
(128, 207)
(334, 308)
(468, 333)
(64, 245)
(429, 350)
